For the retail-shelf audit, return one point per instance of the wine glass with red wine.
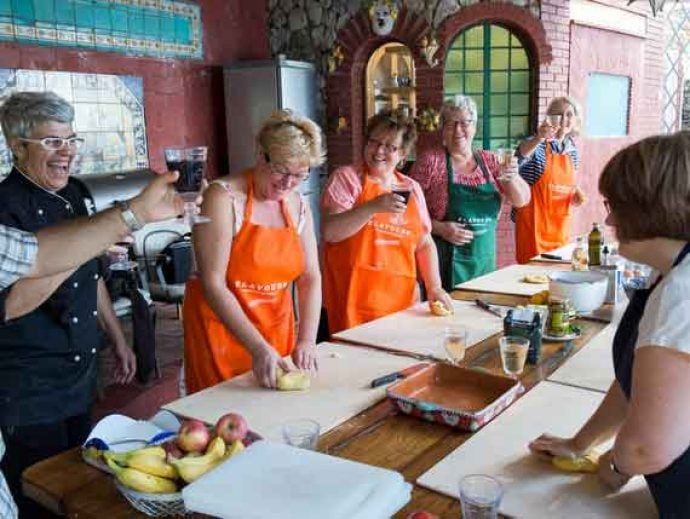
(405, 192)
(191, 164)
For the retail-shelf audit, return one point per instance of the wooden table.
(378, 436)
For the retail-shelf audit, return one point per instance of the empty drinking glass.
(303, 433)
(480, 496)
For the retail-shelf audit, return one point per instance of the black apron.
(670, 487)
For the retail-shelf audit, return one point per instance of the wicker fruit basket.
(154, 505)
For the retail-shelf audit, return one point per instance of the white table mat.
(509, 280)
(533, 488)
(271, 480)
(565, 253)
(416, 330)
(592, 366)
(339, 391)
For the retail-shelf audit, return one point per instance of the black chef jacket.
(48, 357)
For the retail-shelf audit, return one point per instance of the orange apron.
(543, 225)
(264, 261)
(373, 272)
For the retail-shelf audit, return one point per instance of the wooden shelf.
(390, 61)
(398, 90)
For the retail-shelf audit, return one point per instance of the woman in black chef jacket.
(646, 188)
(48, 357)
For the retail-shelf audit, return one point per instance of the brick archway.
(345, 89)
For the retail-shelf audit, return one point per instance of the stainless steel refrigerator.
(255, 89)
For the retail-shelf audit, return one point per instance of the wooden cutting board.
(592, 366)
(416, 330)
(509, 280)
(338, 391)
(565, 253)
(533, 488)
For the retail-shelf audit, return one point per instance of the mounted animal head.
(382, 14)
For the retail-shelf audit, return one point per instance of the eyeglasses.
(57, 143)
(607, 206)
(282, 171)
(388, 148)
(464, 123)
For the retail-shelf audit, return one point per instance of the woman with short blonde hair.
(548, 163)
(647, 191)
(238, 308)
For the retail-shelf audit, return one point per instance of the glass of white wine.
(455, 343)
(513, 350)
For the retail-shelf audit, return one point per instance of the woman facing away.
(647, 191)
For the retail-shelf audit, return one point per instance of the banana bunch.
(143, 470)
(192, 468)
(234, 448)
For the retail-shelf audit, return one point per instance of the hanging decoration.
(428, 46)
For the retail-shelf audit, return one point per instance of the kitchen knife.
(392, 377)
(485, 306)
(552, 257)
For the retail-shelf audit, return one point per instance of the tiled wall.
(159, 28)
(109, 115)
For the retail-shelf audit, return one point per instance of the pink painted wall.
(183, 99)
(635, 57)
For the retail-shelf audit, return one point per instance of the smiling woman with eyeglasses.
(548, 163)
(376, 228)
(238, 308)
(48, 357)
(464, 189)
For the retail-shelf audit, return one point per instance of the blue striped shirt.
(532, 167)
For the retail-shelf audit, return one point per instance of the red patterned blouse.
(430, 171)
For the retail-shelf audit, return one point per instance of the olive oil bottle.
(594, 243)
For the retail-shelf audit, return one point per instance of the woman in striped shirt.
(549, 161)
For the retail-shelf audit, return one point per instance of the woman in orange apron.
(377, 231)
(238, 309)
(551, 160)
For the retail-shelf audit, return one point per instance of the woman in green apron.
(464, 190)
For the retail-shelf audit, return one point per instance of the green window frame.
(490, 64)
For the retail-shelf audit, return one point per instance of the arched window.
(490, 64)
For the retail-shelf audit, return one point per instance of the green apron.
(476, 207)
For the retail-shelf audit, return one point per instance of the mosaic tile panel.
(108, 114)
(159, 28)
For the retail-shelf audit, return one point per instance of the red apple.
(193, 436)
(421, 514)
(231, 427)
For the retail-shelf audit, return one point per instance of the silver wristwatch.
(130, 219)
